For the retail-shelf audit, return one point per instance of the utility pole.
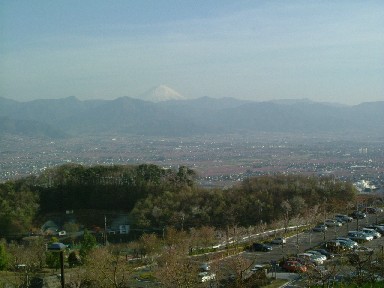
(325, 216)
(182, 221)
(297, 238)
(105, 230)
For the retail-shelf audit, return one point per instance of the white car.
(318, 254)
(279, 240)
(258, 267)
(349, 240)
(371, 232)
(332, 222)
(359, 236)
(207, 276)
(311, 258)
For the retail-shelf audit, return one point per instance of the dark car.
(261, 247)
(371, 210)
(320, 228)
(358, 215)
(333, 246)
(326, 253)
(378, 228)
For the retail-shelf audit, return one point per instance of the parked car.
(333, 246)
(363, 250)
(358, 215)
(328, 254)
(371, 232)
(346, 244)
(205, 267)
(320, 228)
(342, 222)
(292, 258)
(332, 222)
(349, 240)
(260, 268)
(344, 217)
(294, 266)
(359, 236)
(371, 210)
(378, 228)
(261, 247)
(311, 258)
(316, 253)
(207, 276)
(279, 240)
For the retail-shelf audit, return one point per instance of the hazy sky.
(322, 50)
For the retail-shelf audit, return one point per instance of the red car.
(294, 266)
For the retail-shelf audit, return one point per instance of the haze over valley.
(223, 140)
(191, 144)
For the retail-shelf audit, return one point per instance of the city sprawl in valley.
(219, 160)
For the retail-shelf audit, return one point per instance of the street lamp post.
(59, 248)
(325, 216)
(310, 237)
(297, 238)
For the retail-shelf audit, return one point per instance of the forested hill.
(70, 117)
(157, 197)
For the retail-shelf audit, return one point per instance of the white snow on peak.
(161, 93)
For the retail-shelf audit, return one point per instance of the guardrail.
(257, 235)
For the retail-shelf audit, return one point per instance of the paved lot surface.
(308, 239)
(304, 241)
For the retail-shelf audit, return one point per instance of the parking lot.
(303, 241)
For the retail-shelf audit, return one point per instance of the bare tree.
(206, 235)
(287, 209)
(362, 263)
(321, 275)
(106, 269)
(149, 246)
(27, 259)
(234, 270)
(175, 268)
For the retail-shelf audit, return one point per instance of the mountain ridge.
(69, 117)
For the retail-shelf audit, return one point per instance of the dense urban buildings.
(218, 160)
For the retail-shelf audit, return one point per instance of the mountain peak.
(161, 93)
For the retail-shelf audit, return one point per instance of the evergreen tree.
(52, 259)
(87, 244)
(3, 257)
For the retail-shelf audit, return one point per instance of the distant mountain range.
(68, 117)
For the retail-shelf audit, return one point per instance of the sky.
(327, 51)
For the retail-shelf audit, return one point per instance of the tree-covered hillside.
(119, 187)
(157, 197)
(18, 207)
(260, 199)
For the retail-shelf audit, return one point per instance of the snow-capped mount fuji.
(161, 93)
